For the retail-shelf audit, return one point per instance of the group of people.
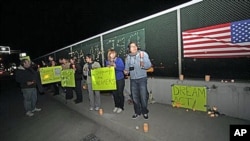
(136, 64)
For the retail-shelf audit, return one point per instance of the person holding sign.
(53, 86)
(136, 64)
(117, 63)
(65, 66)
(94, 96)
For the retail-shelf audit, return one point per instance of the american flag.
(227, 40)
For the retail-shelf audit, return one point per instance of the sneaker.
(78, 101)
(135, 116)
(119, 110)
(115, 109)
(91, 108)
(29, 113)
(145, 116)
(36, 110)
(97, 108)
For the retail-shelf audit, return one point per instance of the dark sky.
(39, 27)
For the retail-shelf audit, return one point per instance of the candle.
(100, 111)
(145, 127)
(181, 77)
(207, 78)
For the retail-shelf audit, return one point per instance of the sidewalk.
(165, 122)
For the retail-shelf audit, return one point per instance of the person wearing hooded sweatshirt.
(136, 64)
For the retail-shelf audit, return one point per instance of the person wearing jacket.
(94, 96)
(136, 64)
(78, 79)
(29, 80)
(117, 63)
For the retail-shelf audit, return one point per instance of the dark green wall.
(158, 36)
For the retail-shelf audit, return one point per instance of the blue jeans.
(140, 95)
(30, 98)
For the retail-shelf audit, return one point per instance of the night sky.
(38, 27)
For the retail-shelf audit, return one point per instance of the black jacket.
(23, 75)
(78, 71)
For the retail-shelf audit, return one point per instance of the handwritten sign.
(190, 97)
(103, 78)
(50, 74)
(68, 78)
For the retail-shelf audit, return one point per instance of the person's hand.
(30, 83)
(74, 67)
(141, 54)
(142, 64)
(126, 72)
(111, 65)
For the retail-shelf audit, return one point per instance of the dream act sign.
(103, 78)
(190, 97)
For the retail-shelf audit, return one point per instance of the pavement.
(55, 122)
(165, 123)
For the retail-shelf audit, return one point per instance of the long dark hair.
(138, 48)
(90, 56)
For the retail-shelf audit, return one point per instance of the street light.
(22, 54)
(5, 49)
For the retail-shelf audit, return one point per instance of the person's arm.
(96, 65)
(126, 69)
(146, 61)
(78, 69)
(85, 70)
(119, 65)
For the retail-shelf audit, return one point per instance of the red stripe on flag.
(212, 42)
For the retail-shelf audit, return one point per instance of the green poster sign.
(190, 97)
(50, 74)
(68, 78)
(103, 78)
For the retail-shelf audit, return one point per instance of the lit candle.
(100, 111)
(181, 77)
(207, 78)
(145, 127)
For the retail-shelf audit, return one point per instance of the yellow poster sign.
(68, 78)
(190, 97)
(103, 78)
(50, 74)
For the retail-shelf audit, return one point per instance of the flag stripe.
(216, 41)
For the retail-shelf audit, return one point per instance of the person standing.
(68, 90)
(28, 79)
(136, 64)
(78, 79)
(117, 63)
(94, 96)
(53, 86)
